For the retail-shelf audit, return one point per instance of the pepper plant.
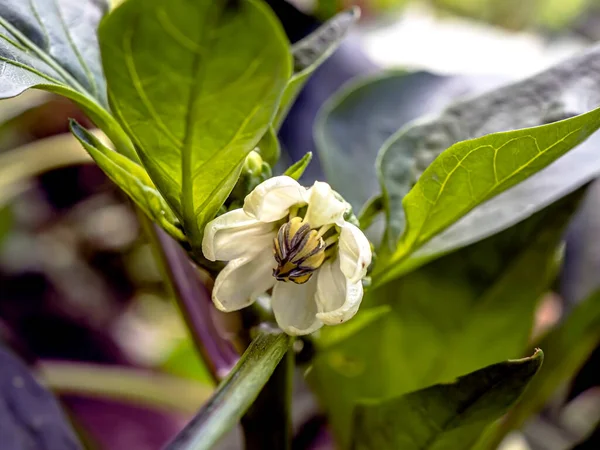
(191, 94)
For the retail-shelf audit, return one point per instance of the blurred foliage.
(509, 14)
(183, 361)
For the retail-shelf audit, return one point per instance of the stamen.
(324, 229)
(331, 240)
(298, 251)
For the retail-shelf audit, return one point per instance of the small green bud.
(253, 163)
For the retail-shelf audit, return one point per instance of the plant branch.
(194, 302)
(268, 423)
(235, 394)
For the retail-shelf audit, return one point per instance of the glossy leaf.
(52, 45)
(310, 52)
(562, 91)
(567, 348)
(444, 416)
(51, 42)
(471, 172)
(355, 122)
(197, 84)
(465, 310)
(297, 169)
(130, 177)
(31, 417)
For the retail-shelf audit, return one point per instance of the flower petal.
(242, 280)
(337, 298)
(323, 206)
(272, 199)
(235, 234)
(295, 308)
(354, 252)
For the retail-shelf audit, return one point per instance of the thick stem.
(268, 423)
(194, 303)
(235, 394)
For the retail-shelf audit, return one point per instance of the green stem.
(235, 394)
(268, 423)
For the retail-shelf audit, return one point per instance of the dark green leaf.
(311, 52)
(445, 416)
(51, 42)
(567, 347)
(471, 172)
(452, 316)
(297, 169)
(52, 45)
(130, 177)
(197, 84)
(563, 91)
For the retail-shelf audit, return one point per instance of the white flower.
(295, 241)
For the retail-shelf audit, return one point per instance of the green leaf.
(445, 416)
(269, 148)
(567, 347)
(369, 211)
(196, 83)
(471, 172)
(51, 42)
(310, 52)
(52, 45)
(452, 316)
(297, 169)
(526, 103)
(235, 394)
(130, 177)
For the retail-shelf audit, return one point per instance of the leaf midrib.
(419, 242)
(211, 21)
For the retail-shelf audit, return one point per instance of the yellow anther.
(298, 250)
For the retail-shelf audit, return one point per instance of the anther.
(298, 251)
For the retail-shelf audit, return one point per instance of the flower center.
(299, 251)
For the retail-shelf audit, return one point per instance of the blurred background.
(83, 301)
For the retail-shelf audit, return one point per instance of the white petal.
(272, 199)
(323, 206)
(295, 308)
(242, 280)
(235, 234)
(337, 298)
(354, 252)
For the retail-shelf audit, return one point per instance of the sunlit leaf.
(563, 91)
(197, 84)
(471, 172)
(445, 416)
